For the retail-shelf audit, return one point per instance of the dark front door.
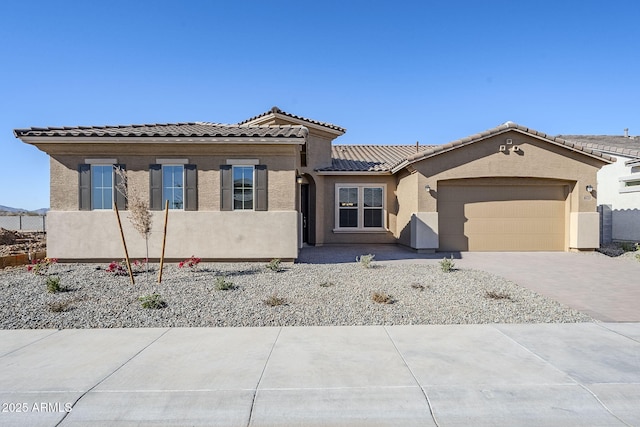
(304, 209)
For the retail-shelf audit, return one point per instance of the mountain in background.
(7, 210)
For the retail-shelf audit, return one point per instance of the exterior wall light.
(299, 179)
(427, 188)
(589, 188)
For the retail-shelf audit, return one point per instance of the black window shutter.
(190, 188)
(226, 188)
(155, 187)
(121, 200)
(84, 187)
(261, 188)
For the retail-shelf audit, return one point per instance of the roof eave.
(498, 131)
(320, 172)
(41, 140)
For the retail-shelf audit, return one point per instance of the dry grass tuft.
(498, 295)
(382, 298)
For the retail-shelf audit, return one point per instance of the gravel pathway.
(311, 294)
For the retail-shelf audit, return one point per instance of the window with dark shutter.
(226, 188)
(121, 200)
(190, 188)
(155, 187)
(84, 193)
(261, 188)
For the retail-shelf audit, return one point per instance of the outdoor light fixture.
(589, 188)
(299, 179)
(427, 188)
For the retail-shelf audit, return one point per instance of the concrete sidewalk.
(480, 375)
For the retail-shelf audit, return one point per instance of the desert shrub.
(417, 286)
(153, 301)
(40, 267)
(274, 300)
(498, 295)
(447, 264)
(53, 284)
(365, 260)
(382, 298)
(628, 246)
(62, 306)
(224, 285)
(59, 306)
(192, 263)
(274, 265)
(118, 268)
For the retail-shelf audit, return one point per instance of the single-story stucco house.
(264, 187)
(618, 184)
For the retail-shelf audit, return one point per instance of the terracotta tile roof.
(368, 158)
(195, 129)
(438, 149)
(612, 144)
(276, 110)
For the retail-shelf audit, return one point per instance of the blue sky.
(391, 72)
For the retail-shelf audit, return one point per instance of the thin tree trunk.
(124, 243)
(164, 239)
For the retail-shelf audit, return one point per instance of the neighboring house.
(267, 186)
(618, 184)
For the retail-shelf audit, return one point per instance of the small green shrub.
(382, 298)
(628, 246)
(274, 265)
(40, 267)
(365, 260)
(53, 284)
(224, 285)
(153, 301)
(447, 264)
(498, 295)
(274, 300)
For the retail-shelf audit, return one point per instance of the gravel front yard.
(312, 294)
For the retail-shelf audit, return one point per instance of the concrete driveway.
(608, 289)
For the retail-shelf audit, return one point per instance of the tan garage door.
(502, 217)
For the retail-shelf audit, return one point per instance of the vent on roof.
(626, 132)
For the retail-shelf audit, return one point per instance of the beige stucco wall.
(482, 159)
(327, 216)
(209, 235)
(280, 161)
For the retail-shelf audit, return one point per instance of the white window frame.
(253, 186)
(632, 188)
(360, 228)
(163, 165)
(93, 186)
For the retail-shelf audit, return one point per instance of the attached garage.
(504, 215)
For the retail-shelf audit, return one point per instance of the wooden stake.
(164, 239)
(124, 243)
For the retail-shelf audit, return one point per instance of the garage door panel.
(513, 226)
(502, 217)
(515, 209)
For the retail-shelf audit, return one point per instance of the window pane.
(172, 183)
(348, 197)
(348, 217)
(101, 186)
(243, 187)
(373, 217)
(373, 197)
